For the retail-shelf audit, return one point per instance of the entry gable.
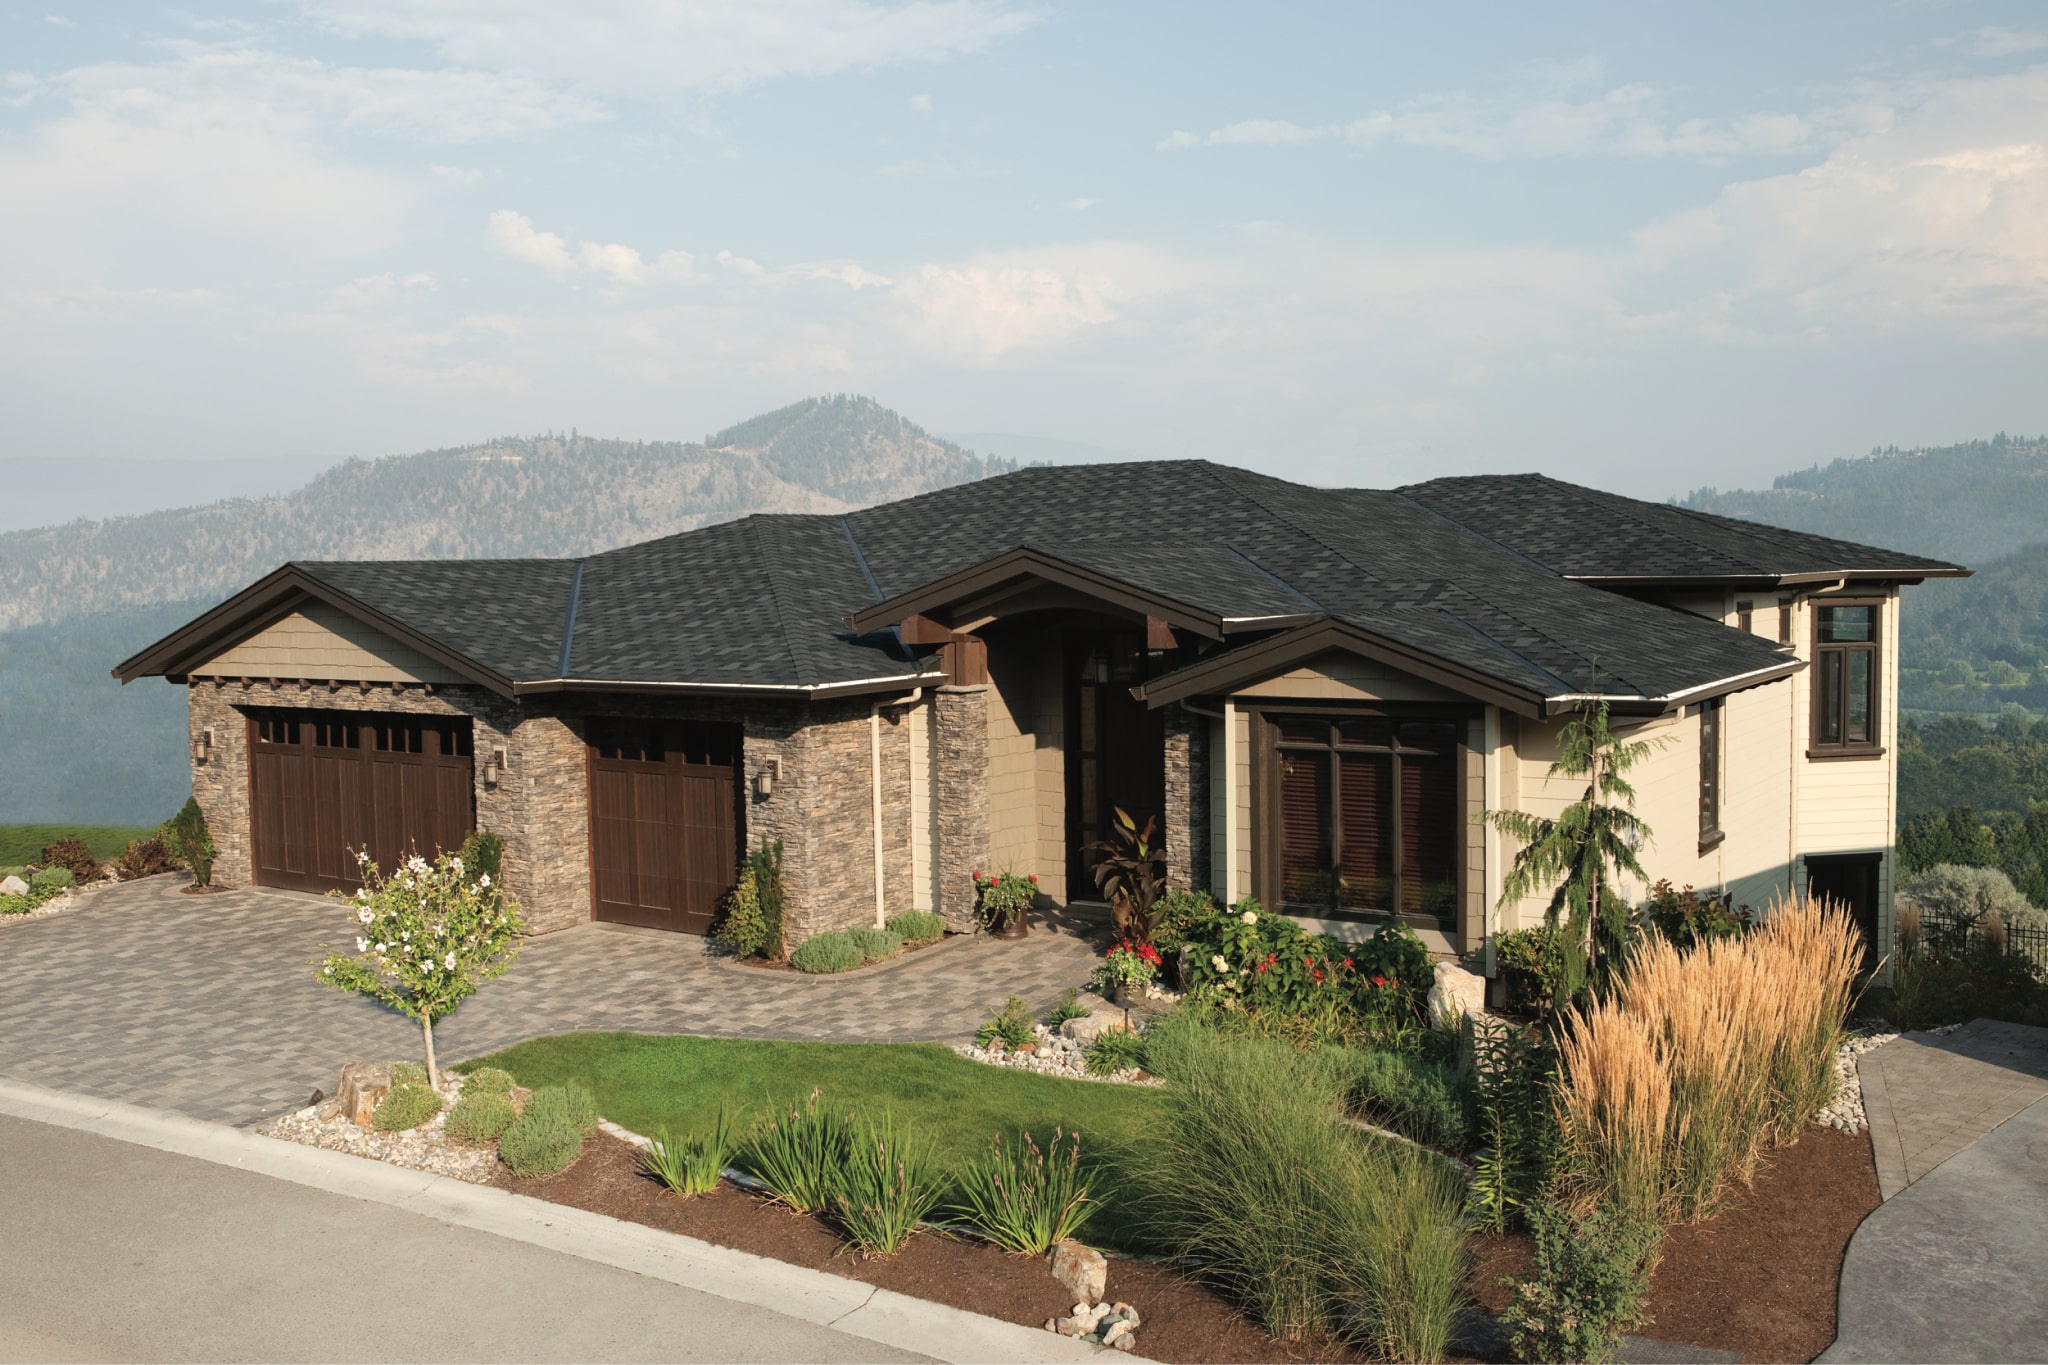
(322, 643)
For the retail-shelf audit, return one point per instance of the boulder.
(363, 1085)
(1456, 994)
(1085, 1029)
(12, 885)
(1081, 1269)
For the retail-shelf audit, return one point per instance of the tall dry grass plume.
(1739, 1033)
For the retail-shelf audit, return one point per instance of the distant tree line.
(1977, 795)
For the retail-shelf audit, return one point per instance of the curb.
(880, 1315)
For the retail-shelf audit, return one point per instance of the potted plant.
(1005, 900)
(1126, 970)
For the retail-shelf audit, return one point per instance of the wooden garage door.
(323, 784)
(664, 821)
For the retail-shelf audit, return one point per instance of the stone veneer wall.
(960, 798)
(822, 809)
(537, 806)
(1183, 859)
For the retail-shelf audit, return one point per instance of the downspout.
(875, 790)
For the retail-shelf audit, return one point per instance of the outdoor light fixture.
(202, 744)
(494, 767)
(765, 779)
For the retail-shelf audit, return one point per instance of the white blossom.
(1218, 963)
(1249, 917)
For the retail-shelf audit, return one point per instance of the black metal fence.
(1951, 932)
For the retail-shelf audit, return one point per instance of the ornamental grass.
(1307, 1223)
(1671, 1091)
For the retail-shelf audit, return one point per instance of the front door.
(1850, 881)
(1116, 754)
(664, 821)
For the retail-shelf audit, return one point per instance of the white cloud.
(252, 87)
(657, 49)
(1078, 205)
(1999, 42)
(60, 21)
(374, 289)
(920, 104)
(514, 234)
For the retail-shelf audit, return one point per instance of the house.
(1313, 689)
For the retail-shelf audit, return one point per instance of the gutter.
(1672, 700)
(807, 691)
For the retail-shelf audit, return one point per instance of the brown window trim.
(1817, 748)
(1712, 840)
(1713, 720)
(1265, 824)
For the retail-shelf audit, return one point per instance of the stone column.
(1177, 821)
(221, 783)
(960, 798)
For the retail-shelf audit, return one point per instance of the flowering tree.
(430, 936)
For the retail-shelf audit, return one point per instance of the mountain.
(1970, 503)
(76, 599)
(1975, 645)
(552, 495)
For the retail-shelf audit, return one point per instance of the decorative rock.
(1123, 1312)
(363, 1084)
(1116, 1332)
(1066, 1327)
(1082, 1270)
(1456, 994)
(1126, 1343)
(11, 885)
(1088, 1027)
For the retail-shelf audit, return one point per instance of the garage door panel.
(664, 847)
(321, 789)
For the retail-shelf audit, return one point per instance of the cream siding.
(324, 644)
(1337, 676)
(1027, 770)
(923, 815)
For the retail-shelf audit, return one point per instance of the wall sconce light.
(494, 767)
(202, 745)
(766, 777)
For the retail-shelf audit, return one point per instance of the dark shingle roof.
(1588, 533)
(1475, 572)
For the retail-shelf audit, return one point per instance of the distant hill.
(49, 490)
(1974, 646)
(76, 599)
(1970, 503)
(549, 495)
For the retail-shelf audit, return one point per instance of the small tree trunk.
(433, 1073)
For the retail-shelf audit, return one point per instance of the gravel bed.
(56, 905)
(1845, 1110)
(1053, 1054)
(425, 1148)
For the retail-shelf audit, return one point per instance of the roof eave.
(796, 691)
(277, 592)
(1639, 705)
(1222, 672)
(1768, 580)
(1027, 562)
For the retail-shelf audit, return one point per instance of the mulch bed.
(1760, 1277)
(1183, 1320)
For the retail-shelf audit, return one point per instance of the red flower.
(1379, 981)
(1263, 965)
(1034, 881)
(1319, 978)
(977, 876)
(1347, 962)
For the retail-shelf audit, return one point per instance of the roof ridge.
(796, 665)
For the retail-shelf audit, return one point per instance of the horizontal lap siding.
(319, 641)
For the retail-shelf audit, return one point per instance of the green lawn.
(651, 1084)
(24, 843)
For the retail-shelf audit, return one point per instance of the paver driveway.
(207, 1005)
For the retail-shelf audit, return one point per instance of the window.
(1711, 714)
(1845, 668)
(1745, 617)
(1365, 816)
(655, 741)
(1785, 621)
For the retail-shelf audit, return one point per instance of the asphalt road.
(111, 1251)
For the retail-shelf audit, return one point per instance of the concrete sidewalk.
(224, 1250)
(1950, 1268)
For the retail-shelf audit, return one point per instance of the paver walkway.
(207, 1004)
(1930, 1096)
(1950, 1269)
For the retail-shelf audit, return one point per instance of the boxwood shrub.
(918, 926)
(539, 1144)
(487, 1079)
(571, 1103)
(828, 952)
(876, 944)
(480, 1119)
(53, 878)
(406, 1106)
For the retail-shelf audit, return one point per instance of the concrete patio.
(207, 1005)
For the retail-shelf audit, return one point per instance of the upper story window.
(1711, 714)
(1785, 621)
(1745, 617)
(1845, 671)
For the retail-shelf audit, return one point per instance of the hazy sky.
(1647, 246)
